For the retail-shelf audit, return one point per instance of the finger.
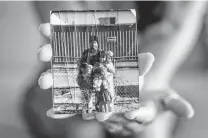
(179, 106)
(45, 30)
(103, 116)
(124, 130)
(88, 116)
(118, 124)
(45, 53)
(113, 128)
(51, 114)
(46, 80)
(134, 127)
(145, 114)
(145, 62)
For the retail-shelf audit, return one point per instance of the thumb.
(178, 105)
(145, 61)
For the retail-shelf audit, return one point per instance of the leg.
(90, 102)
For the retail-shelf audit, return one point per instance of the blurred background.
(20, 40)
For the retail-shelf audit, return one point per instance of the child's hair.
(109, 54)
(84, 65)
(103, 54)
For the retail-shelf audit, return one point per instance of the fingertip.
(144, 114)
(102, 116)
(147, 56)
(145, 61)
(45, 53)
(88, 116)
(191, 112)
(40, 27)
(46, 80)
(130, 115)
(45, 30)
(135, 127)
(179, 106)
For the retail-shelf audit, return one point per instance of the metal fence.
(69, 46)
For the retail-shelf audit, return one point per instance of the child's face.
(89, 69)
(86, 70)
(108, 59)
(83, 70)
(102, 59)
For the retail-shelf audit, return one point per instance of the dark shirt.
(90, 57)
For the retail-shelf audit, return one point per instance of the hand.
(153, 105)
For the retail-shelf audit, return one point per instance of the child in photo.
(99, 71)
(84, 80)
(103, 82)
(108, 81)
(85, 76)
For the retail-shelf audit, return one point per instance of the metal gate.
(69, 46)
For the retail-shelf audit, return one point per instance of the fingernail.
(191, 111)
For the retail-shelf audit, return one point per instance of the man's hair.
(93, 38)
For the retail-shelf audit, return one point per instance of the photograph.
(95, 61)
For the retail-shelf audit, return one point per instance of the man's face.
(94, 45)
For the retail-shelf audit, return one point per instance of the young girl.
(103, 82)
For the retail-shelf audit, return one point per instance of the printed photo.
(95, 61)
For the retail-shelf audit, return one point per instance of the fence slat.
(55, 46)
(118, 45)
(82, 44)
(135, 43)
(59, 47)
(129, 46)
